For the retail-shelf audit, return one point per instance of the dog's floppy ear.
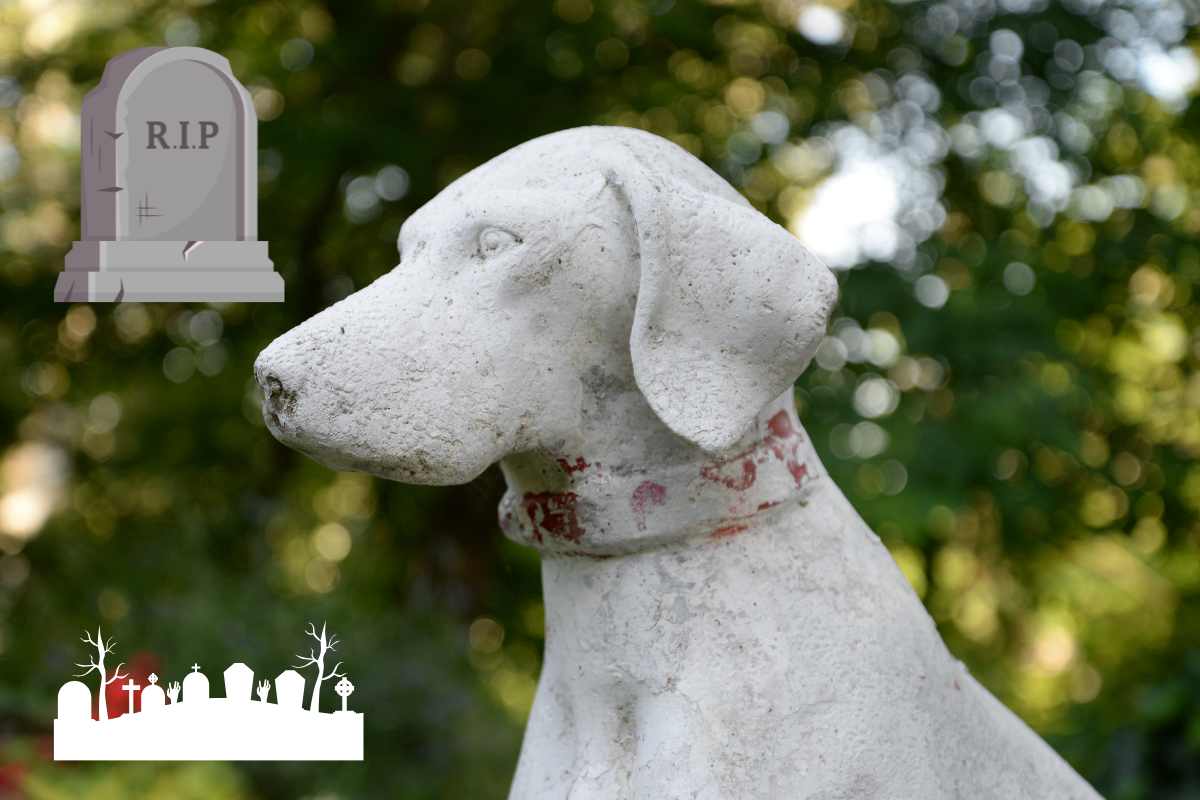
(730, 305)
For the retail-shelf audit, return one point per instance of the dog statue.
(604, 316)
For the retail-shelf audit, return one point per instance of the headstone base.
(168, 271)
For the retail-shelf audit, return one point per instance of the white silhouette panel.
(199, 727)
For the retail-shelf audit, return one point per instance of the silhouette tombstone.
(74, 702)
(169, 188)
(239, 681)
(153, 697)
(289, 689)
(195, 686)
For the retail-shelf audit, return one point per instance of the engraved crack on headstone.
(145, 210)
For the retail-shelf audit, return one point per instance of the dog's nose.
(279, 398)
(279, 393)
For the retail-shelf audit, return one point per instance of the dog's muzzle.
(279, 394)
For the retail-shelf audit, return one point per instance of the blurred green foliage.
(1010, 392)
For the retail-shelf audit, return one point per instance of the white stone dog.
(612, 322)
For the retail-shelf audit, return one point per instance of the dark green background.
(1048, 515)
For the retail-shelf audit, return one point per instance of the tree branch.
(116, 674)
(334, 673)
(308, 660)
(88, 668)
(102, 647)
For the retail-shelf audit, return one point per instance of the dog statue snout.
(279, 393)
(279, 398)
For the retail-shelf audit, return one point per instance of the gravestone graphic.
(75, 702)
(153, 697)
(169, 185)
(239, 680)
(195, 686)
(289, 689)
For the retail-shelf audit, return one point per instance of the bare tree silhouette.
(326, 645)
(96, 664)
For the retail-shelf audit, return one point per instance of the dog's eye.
(496, 240)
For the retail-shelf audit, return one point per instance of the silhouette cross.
(130, 687)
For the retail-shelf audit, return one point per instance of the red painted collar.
(572, 504)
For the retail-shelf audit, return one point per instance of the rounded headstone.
(74, 702)
(185, 126)
(195, 688)
(169, 189)
(153, 698)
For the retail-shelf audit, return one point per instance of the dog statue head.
(586, 264)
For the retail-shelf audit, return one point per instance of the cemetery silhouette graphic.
(195, 726)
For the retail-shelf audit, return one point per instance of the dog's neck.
(642, 486)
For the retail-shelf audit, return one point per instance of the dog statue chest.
(727, 662)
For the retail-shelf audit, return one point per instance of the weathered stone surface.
(608, 319)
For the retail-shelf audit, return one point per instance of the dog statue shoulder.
(604, 316)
